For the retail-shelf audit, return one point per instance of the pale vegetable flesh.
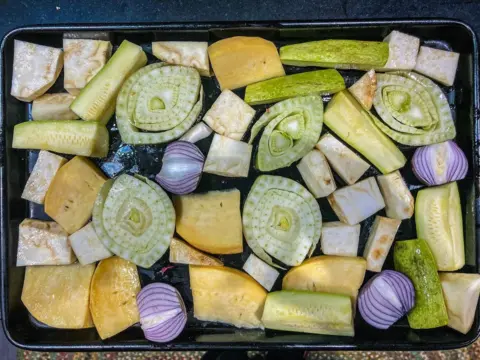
(340, 239)
(53, 107)
(399, 203)
(186, 53)
(228, 157)
(316, 174)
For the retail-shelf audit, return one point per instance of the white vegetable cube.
(229, 115)
(403, 50)
(399, 203)
(261, 271)
(364, 89)
(355, 203)
(186, 53)
(87, 246)
(316, 173)
(53, 107)
(35, 69)
(379, 242)
(348, 165)
(42, 176)
(84, 58)
(43, 243)
(438, 64)
(340, 239)
(228, 157)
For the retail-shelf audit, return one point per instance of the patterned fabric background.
(471, 352)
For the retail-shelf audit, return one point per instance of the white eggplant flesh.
(403, 51)
(186, 53)
(348, 165)
(355, 203)
(316, 173)
(440, 65)
(197, 133)
(53, 107)
(399, 203)
(228, 157)
(364, 89)
(380, 240)
(87, 246)
(340, 239)
(261, 271)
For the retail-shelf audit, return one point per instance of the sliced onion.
(162, 312)
(439, 163)
(182, 168)
(386, 298)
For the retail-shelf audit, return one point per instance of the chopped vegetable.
(353, 204)
(309, 312)
(260, 271)
(438, 216)
(308, 83)
(58, 295)
(197, 133)
(35, 69)
(182, 168)
(348, 165)
(346, 118)
(182, 253)
(413, 108)
(115, 284)
(340, 54)
(42, 176)
(241, 60)
(364, 89)
(340, 239)
(226, 295)
(229, 115)
(43, 243)
(186, 53)
(87, 246)
(461, 293)
(382, 235)
(439, 164)
(53, 107)
(282, 218)
(403, 50)
(164, 101)
(84, 58)
(228, 157)
(162, 312)
(211, 222)
(135, 219)
(97, 99)
(292, 128)
(386, 298)
(317, 174)
(71, 195)
(329, 274)
(63, 136)
(398, 198)
(438, 64)
(414, 259)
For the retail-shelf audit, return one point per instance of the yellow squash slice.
(58, 295)
(113, 298)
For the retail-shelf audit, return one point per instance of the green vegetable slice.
(292, 128)
(282, 218)
(413, 108)
(163, 100)
(135, 219)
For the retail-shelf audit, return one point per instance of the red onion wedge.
(162, 312)
(386, 298)
(439, 164)
(182, 168)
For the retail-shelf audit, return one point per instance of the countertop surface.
(16, 13)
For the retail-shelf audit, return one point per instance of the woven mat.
(471, 352)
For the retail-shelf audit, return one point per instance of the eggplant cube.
(438, 64)
(340, 239)
(316, 173)
(403, 50)
(355, 203)
(228, 157)
(229, 115)
(399, 202)
(35, 69)
(87, 246)
(186, 53)
(53, 107)
(261, 271)
(379, 242)
(43, 243)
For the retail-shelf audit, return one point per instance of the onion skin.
(386, 298)
(439, 164)
(182, 168)
(157, 300)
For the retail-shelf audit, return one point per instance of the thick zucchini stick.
(53, 107)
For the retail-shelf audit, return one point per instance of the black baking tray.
(25, 332)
